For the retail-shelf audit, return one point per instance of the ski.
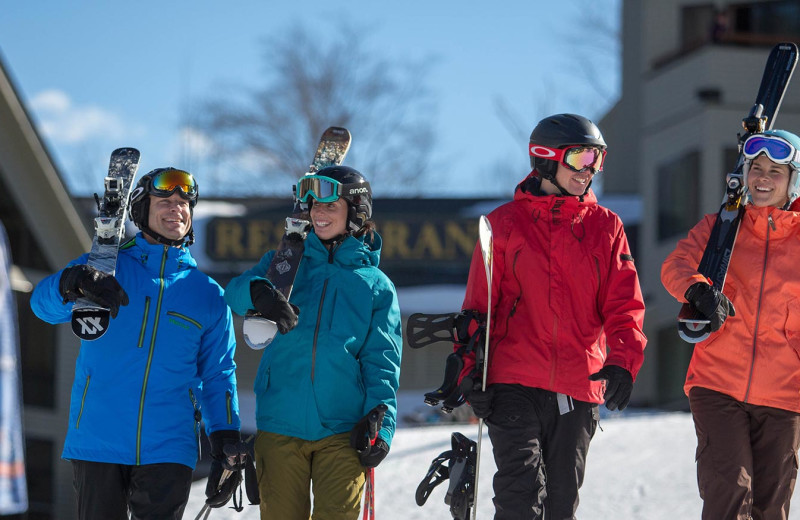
(90, 321)
(692, 327)
(258, 331)
(485, 241)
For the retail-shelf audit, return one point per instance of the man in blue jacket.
(165, 362)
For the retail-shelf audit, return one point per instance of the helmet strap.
(187, 240)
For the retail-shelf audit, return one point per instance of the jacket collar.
(352, 252)
(781, 223)
(528, 190)
(151, 255)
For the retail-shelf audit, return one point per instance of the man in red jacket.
(566, 328)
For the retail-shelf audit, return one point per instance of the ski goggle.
(777, 149)
(168, 181)
(323, 189)
(576, 158)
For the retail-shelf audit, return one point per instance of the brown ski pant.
(746, 457)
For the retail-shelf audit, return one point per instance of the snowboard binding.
(460, 470)
(425, 329)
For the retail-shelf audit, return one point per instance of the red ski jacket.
(565, 295)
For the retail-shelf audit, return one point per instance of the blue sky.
(100, 74)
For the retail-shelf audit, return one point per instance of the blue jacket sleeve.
(380, 357)
(237, 292)
(217, 370)
(47, 302)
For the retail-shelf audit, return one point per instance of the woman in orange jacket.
(743, 381)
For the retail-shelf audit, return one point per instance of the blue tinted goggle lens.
(323, 189)
(776, 148)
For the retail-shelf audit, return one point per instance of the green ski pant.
(290, 470)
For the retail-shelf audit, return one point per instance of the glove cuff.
(695, 291)
(219, 439)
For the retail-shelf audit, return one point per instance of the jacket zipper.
(83, 401)
(144, 321)
(150, 355)
(228, 399)
(771, 224)
(331, 252)
(316, 330)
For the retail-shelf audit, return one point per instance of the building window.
(672, 358)
(678, 195)
(40, 473)
(772, 19)
(37, 349)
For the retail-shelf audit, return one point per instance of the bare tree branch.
(311, 85)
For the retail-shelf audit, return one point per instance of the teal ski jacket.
(343, 358)
(166, 359)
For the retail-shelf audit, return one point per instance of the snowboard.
(692, 326)
(90, 321)
(258, 331)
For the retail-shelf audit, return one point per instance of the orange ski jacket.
(755, 356)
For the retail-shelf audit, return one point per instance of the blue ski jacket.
(343, 358)
(166, 359)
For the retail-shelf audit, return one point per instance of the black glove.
(361, 436)
(375, 454)
(228, 456)
(82, 281)
(619, 385)
(272, 304)
(712, 304)
(479, 400)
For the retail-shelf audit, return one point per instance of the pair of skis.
(258, 331)
(692, 326)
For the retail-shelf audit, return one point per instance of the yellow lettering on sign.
(259, 237)
(228, 239)
(395, 240)
(457, 239)
(428, 243)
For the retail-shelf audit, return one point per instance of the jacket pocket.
(143, 328)
(183, 321)
(83, 402)
(792, 326)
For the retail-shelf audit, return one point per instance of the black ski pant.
(150, 492)
(746, 457)
(540, 453)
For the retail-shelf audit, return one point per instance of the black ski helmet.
(140, 205)
(560, 131)
(355, 190)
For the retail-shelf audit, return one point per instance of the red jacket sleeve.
(622, 305)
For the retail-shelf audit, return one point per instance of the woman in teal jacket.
(337, 357)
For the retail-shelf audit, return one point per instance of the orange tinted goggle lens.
(578, 159)
(170, 180)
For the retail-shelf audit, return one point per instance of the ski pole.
(375, 420)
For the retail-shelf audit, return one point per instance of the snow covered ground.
(640, 467)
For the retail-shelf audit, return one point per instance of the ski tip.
(126, 151)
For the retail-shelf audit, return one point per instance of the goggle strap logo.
(543, 152)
